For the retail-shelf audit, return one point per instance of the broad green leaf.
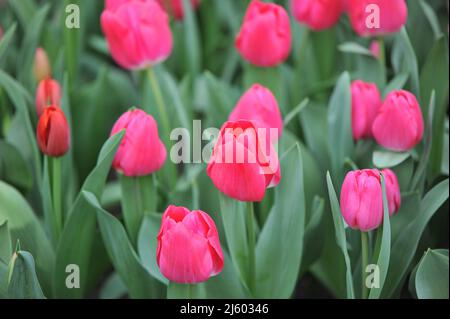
(3, 280)
(340, 136)
(397, 83)
(354, 48)
(406, 243)
(340, 235)
(24, 10)
(431, 17)
(278, 268)
(5, 240)
(185, 291)
(191, 39)
(23, 283)
(13, 167)
(386, 159)
(147, 245)
(434, 76)
(431, 275)
(80, 226)
(24, 226)
(136, 278)
(113, 288)
(6, 40)
(383, 247)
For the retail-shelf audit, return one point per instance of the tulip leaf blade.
(5, 239)
(383, 247)
(387, 159)
(277, 267)
(6, 40)
(406, 243)
(340, 235)
(23, 281)
(80, 226)
(134, 275)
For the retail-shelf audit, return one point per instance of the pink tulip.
(399, 123)
(366, 102)
(141, 152)
(53, 132)
(175, 7)
(137, 31)
(265, 36)
(375, 49)
(362, 200)
(392, 190)
(48, 93)
(243, 163)
(259, 105)
(41, 67)
(317, 15)
(189, 249)
(363, 16)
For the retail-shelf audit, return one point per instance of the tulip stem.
(382, 54)
(56, 189)
(251, 247)
(156, 89)
(364, 262)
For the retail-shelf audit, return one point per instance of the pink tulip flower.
(48, 93)
(317, 15)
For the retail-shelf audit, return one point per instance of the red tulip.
(259, 105)
(362, 200)
(265, 36)
(188, 246)
(175, 7)
(366, 102)
(399, 123)
(243, 163)
(141, 152)
(377, 17)
(318, 15)
(41, 67)
(53, 135)
(47, 93)
(137, 31)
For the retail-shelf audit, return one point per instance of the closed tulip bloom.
(243, 163)
(366, 102)
(53, 134)
(41, 67)
(48, 93)
(189, 249)
(265, 36)
(364, 16)
(137, 31)
(399, 123)
(317, 15)
(259, 105)
(141, 152)
(375, 48)
(392, 190)
(175, 7)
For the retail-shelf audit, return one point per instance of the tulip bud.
(375, 49)
(259, 105)
(377, 17)
(141, 152)
(175, 7)
(138, 32)
(362, 200)
(265, 36)
(243, 163)
(189, 249)
(47, 93)
(399, 123)
(366, 102)
(53, 135)
(317, 15)
(42, 69)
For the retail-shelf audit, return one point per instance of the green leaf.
(191, 40)
(278, 267)
(340, 136)
(80, 226)
(23, 283)
(340, 235)
(13, 167)
(354, 48)
(431, 17)
(431, 275)
(397, 83)
(24, 225)
(113, 288)
(148, 243)
(383, 248)
(386, 159)
(136, 278)
(435, 77)
(24, 10)
(405, 245)
(5, 240)
(185, 291)
(6, 41)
